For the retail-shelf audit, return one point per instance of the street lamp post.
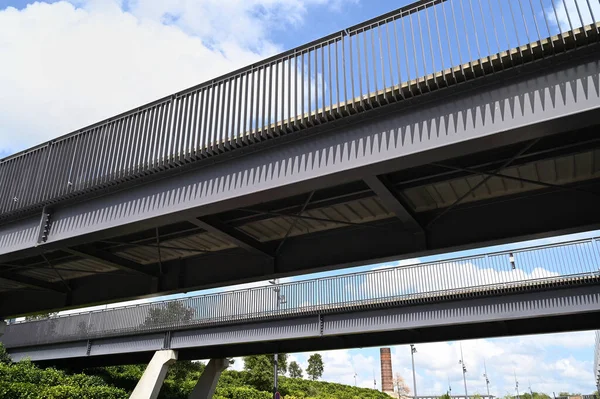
(487, 380)
(280, 300)
(517, 385)
(464, 370)
(413, 350)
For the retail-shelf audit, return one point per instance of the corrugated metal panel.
(82, 267)
(563, 170)
(201, 241)
(358, 211)
(6, 285)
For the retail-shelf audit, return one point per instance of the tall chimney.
(387, 379)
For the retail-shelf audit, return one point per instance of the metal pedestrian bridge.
(438, 126)
(541, 289)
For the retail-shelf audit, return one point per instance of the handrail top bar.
(308, 281)
(390, 16)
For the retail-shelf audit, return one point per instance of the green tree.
(259, 371)
(4, 356)
(282, 364)
(315, 367)
(445, 396)
(173, 312)
(295, 370)
(40, 316)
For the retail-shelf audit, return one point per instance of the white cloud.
(574, 15)
(66, 65)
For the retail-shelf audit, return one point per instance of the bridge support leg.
(205, 388)
(149, 385)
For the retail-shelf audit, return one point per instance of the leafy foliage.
(295, 370)
(25, 380)
(315, 367)
(171, 313)
(259, 372)
(4, 356)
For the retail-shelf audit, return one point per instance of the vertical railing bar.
(151, 136)
(367, 80)
(196, 124)
(487, 41)
(276, 128)
(178, 129)
(227, 114)
(211, 118)
(219, 117)
(512, 14)
(476, 36)
(146, 134)
(594, 21)
(431, 53)
(414, 45)
(309, 87)
(418, 13)
(526, 29)
(539, 35)
(496, 34)
(248, 108)
(359, 70)
(189, 114)
(323, 101)
(242, 103)
(381, 60)
(106, 159)
(294, 111)
(439, 36)
(352, 97)
(166, 111)
(464, 19)
(316, 118)
(302, 89)
(580, 18)
(400, 82)
(462, 70)
(269, 98)
(331, 113)
(373, 51)
(263, 127)
(236, 117)
(508, 45)
(116, 165)
(287, 116)
(390, 63)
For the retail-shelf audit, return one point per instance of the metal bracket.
(167, 340)
(321, 324)
(88, 349)
(45, 225)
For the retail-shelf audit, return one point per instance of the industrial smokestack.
(387, 379)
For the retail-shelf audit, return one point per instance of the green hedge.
(24, 380)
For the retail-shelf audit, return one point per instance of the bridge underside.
(514, 157)
(557, 309)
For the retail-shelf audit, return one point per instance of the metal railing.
(532, 268)
(413, 50)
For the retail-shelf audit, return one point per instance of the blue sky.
(69, 64)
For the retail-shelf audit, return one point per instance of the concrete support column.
(205, 388)
(2, 327)
(149, 385)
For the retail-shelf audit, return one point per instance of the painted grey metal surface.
(414, 50)
(500, 114)
(366, 323)
(521, 270)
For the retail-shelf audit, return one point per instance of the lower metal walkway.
(526, 291)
